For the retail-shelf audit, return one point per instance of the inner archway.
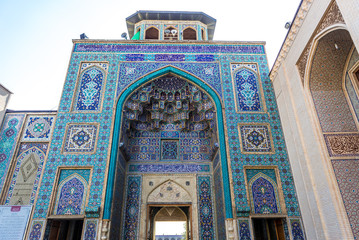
(200, 89)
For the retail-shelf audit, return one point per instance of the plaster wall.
(323, 213)
(4, 99)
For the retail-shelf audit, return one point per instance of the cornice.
(291, 35)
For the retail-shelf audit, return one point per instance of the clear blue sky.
(36, 36)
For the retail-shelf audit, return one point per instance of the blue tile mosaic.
(169, 149)
(169, 48)
(90, 89)
(263, 191)
(247, 90)
(297, 232)
(38, 128)
(132, 209)
(72, 192)
(90, 232)
(80, 138)
(169, 168)
(205, 202)
(8, 139)
(255, 139)
(36, 230)
(244, 229)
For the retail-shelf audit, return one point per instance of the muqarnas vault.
(168, 126)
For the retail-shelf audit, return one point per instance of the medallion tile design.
(27, 174)
(244, 229)
(90, 229)
(264, 192)
(36, 230)
(38, 128)
(206, 218)
(169, 149)
(346, 172)
(80, 138)
(297, 232)
(342, 144)
(8, 139)
(132, 209)
(255, 139)
(72, 192)
(247, 88)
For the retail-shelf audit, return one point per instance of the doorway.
(169, 222)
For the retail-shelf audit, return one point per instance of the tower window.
(152, 33)
(189, 34)
(171, 33)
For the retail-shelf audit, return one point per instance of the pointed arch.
(117, 128)
(264, 194)
(71, 196)
(90, 89)
(162, 193)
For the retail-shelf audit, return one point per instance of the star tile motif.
(80, 138)
(255, 139)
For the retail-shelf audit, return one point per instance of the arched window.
(152, 33)
(189, 34)
(171, 33)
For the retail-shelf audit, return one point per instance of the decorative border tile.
(80, 137)
(37, 229)
(132, 210)
(297, 229)
(255, 138)
(244, 229)
(207, 228)
(169, 168)
(90, 232)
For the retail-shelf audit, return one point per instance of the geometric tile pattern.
(247, 89)
(264, 193)
(38, 128)
(36, 230)
(244, 231)
(8, 139)
(132, 209)
(349, 85)
(255, 138)
(297, 232)
(90, 89)
(72, 192)
(346, 172)
(205, 209)
(27, 174)
(80, 138)
(169, 149)
(124, 68)
(90, 232)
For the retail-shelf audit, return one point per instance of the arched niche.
(325, 82)
(124, 95)
(152, 33)
(189, 34)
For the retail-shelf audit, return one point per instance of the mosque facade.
(167, 126)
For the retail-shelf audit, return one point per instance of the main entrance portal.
(168, 164)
